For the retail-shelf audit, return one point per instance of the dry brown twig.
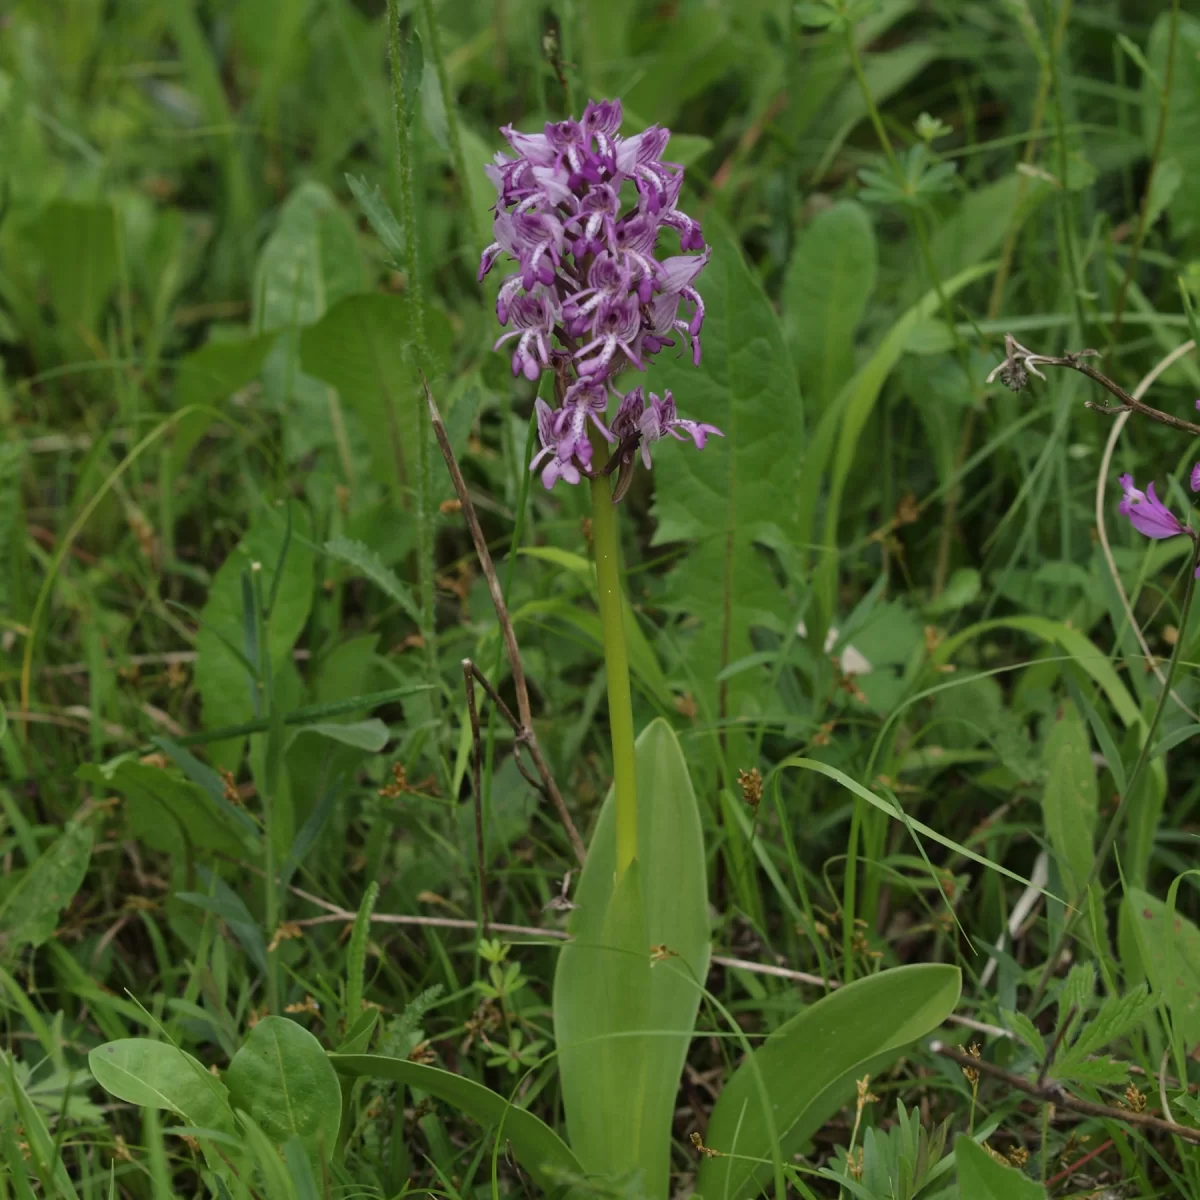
(335, 912)
(1050, 1092)
(522, 722)
(1020, 362)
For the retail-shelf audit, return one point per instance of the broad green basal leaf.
(806, 1068)
(173, 814)
(624, 1014)
(310, 261)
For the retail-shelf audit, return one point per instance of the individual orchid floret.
(1147, 513)
(639, 421)
(534, 315)
(563, 432)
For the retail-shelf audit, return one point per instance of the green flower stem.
(606, 547)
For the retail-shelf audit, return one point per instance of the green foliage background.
(209, 409)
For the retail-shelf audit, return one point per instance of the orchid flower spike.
(591, 294)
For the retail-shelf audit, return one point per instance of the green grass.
(210, 338)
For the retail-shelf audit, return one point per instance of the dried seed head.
(854, 1164)
(1013, 374)
(972, 1075)
(751, 783)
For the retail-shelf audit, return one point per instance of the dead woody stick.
(522, 726)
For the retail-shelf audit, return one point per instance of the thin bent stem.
(616, 663)
(1118, 818)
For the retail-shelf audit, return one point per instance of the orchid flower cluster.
(590, 295)
(1146, 512)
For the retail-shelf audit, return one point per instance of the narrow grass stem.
(1135, 776)
(1139, 235)
(453, 133)
(398, 56)
(265, 694)
(606, 547)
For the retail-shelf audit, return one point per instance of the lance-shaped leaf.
(627, 988)
(806, 1070)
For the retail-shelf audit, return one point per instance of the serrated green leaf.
(1117, 1017)
(1025, 1029)
(29, 909)
(379, 215)
(830, 278)
(738, 491)
(368, 564)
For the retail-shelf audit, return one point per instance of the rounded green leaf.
(284, 1080)
(160, 1075)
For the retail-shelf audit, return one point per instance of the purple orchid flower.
(591, 294)
(1147, 513)
(637, 420)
